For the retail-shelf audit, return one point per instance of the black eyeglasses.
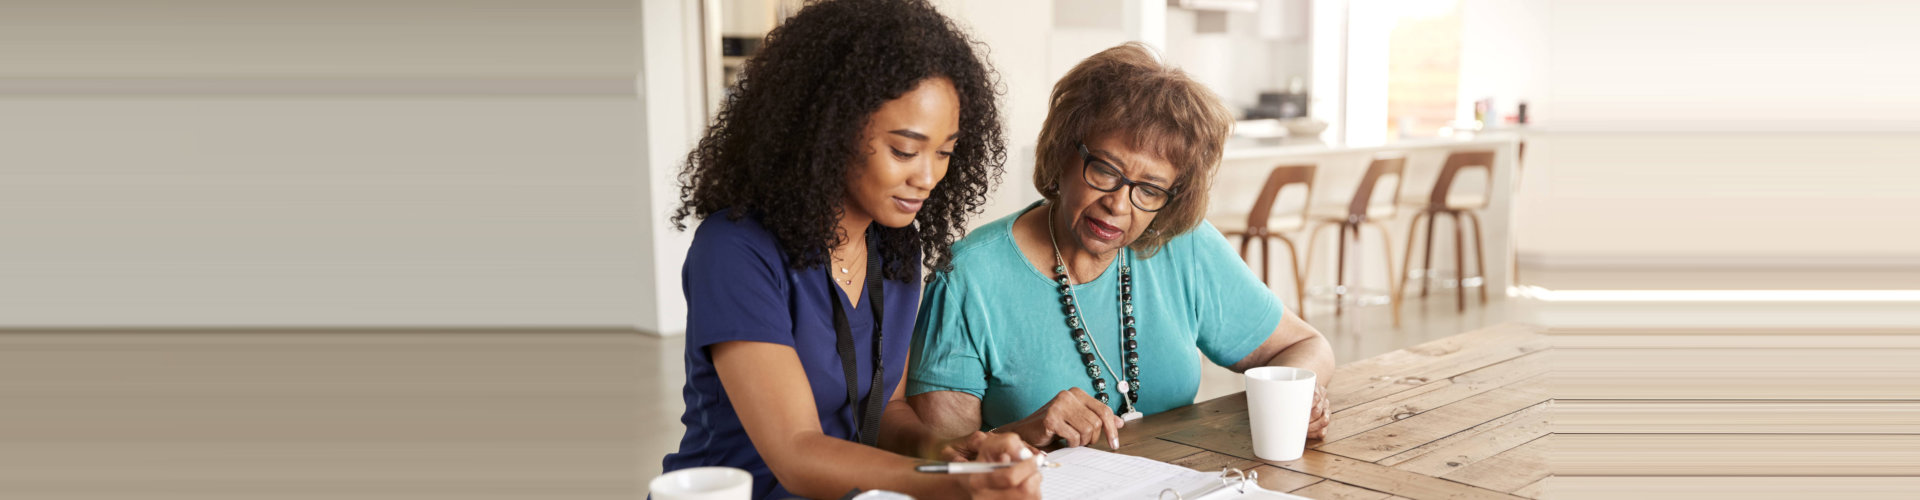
(1107, 178)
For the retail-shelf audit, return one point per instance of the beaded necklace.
(1089, 351)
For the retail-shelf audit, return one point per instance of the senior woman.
(1065, 320)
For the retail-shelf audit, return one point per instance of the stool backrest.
(1395, 167)
(1279, 179)
(1458, 161)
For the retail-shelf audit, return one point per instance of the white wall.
(1503, 55)
(673, 112)
(1713, 65)
(1703, 134)
(1011, 43)
(446, 163)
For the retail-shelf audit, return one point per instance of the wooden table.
(1459, 417)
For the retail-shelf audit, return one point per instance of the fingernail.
(1116, 441)
(1025, 454)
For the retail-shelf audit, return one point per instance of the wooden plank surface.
(1403, 435)
(1509, 470)
(1278, 479)
(1459, 417)
(1742, 417)
(1386, 374)
(1741, 487)
(1157, 449)
(1335, 490)
(1435, 394)
(1382, 478)
(1739, 454)
(1737, 372)
(1536, 490)
(1448, 454)
(1208, 461)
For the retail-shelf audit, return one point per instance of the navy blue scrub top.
(739, 288)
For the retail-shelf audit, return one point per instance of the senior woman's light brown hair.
(1158, 109)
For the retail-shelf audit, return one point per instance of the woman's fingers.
(1085, 428)
(1319, 418)
(1081, 420)
(1031, 486)
(1096, 417)
(1013, 477)
(1062, 427)
(1110, 424)
(965, 448)
(1004, 445)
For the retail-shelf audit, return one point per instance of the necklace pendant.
(844, 270)
(1124, 387)
(1131, 416)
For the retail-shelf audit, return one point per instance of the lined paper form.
(1090, 474)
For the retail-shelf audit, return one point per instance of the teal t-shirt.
(994, 327)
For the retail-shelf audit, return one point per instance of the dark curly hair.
(780, 147)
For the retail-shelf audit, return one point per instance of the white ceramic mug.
(1279, 404)
(703, 483)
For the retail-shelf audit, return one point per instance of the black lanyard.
(868, 431)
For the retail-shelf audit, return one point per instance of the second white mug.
(703, 483)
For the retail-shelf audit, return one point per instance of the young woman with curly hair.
(856, 144)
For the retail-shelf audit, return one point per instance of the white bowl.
(1304, 127)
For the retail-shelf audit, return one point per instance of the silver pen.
(976, 467)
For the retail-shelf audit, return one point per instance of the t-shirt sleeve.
(1236, 311)
(736, 286)
(945, 356)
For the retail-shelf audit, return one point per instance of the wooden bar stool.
(1443, 203)
(1362, 211)
(1259, 224)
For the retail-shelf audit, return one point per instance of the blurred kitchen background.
(419, 249)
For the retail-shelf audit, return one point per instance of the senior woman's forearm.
(1313, 354)
(901, 431)
(1293, 343)
(946, 415)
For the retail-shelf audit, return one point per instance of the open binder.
(1090, 474)
(1233, 483)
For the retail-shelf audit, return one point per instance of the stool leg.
(1386, 251)
(1406, 268)
(1340, 273)
(1426, 264)
(1306, 268)
(1266, 260)
(1459, 263)
(1245, 240)
(1299, 278)
(1480, 257)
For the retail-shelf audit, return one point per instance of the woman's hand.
(1318, 419)
(1074, 417)
(972, 446)
(1018, 482)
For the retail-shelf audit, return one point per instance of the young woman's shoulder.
(725, 240)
